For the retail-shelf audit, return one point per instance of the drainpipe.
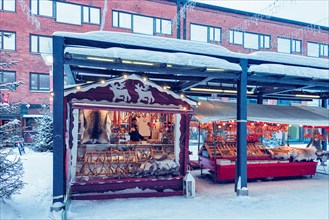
(178, 19)
(184, 22)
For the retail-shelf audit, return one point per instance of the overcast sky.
(310, 11)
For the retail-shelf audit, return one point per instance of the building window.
(198, 33)
(215, 34)
(42, 7)
(317, 50)
(236, 37)
(163, 26)
(205, 33)
(121, 20)
(73, 17)
(7, 5)
(264, 41)
(91, 15)
(7, 40)
(286, 45)
(324, 50)
(41, 44)
(252, 41)
(39, 82)
(7, 77)
(142, 25)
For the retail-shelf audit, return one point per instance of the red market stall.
(188, 67)
(102, 160)
(219, 151)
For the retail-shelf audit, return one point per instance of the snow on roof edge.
(153, 42)
(156, 57)
(193, 47)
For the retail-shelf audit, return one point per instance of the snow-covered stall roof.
(294, 71)
(202, 48)
(210, 111)
(289, 59)
(153, 42)
(182, 59)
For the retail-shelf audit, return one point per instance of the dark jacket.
(135, 135)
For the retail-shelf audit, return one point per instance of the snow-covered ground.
(302, 198)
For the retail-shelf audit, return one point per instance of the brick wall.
(18, 22)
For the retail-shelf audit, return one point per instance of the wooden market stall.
(219, 151)
(101, 159)
(186, 67)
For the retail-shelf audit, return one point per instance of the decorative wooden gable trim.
(131, 91)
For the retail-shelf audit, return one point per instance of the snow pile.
(302, 198)
(35, 198)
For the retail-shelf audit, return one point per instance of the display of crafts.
(128, 162)
(229, 149)
(255, 130)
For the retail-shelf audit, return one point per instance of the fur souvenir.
(95, 126)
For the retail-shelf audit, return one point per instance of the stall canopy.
(210, 111)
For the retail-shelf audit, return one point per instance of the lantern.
(189, 185)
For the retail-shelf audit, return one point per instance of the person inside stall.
(133, 132)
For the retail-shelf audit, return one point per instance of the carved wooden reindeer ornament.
(144, 93)
(119, 92)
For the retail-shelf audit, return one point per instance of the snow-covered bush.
(11, 168)
(43, 137)
(11, 173)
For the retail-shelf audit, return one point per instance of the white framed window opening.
(317, 49)
(236, 37)
(7, 5)
(91, 15)
(42, 7)
(7, 40)
(163, 26)
(68, 13)
(41, 44)
(248, 40)
(121, 20)
(286, 45)
(141, 24)
(205, 33)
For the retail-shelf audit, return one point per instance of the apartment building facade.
(27, 26)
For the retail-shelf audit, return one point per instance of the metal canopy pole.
(58, 125)
(260, 98)
(241, 163)
(324, 104)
